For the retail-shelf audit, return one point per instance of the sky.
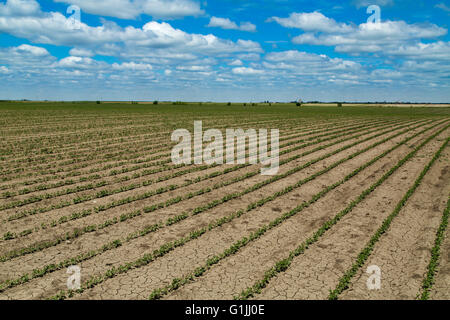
(225, 50)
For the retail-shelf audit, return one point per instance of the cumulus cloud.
(247, 71)
(78, 63)
(154, 40)
(4, 70)
(131, 9)
(226, 23)
(132, 66)
(436, 51)
(25, 56)
(314, 21)
(80, 52)
(442, 6)
(19, 8)
(36, 51)
(298, 62)
(363, 38)
(194, 68)
(236, 62)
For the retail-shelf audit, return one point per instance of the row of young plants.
(141, 127)
(109, 166)
(78, 153)
(78, 215)
(81, 135)
(34, 199)
(49, 146)
(183, 216)
(48, 142)
(365, 253)
(146, 259)
(76, 157)
(112, 173)
(34, 211)
(433, 265)
(50, 168)
(71, 171)
(85, 213)
(76, 173)
(81, 149)
(72, 125)
(283, 264)
(215, 174)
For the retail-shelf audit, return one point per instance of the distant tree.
(229, 104)
(245, 104)
(339, 104)
(299, 104)
(98, 102)
(155, 102)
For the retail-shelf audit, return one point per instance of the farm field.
(93, 185)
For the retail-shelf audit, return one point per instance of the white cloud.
(226, 23)
(36, 51)
(314, 21)
(367, 37)
(236, 63)
(249, 56)
(247, 71)
(436, 51)
(19, 8)
(4, 70)
(81, 52)
(154, 41)
(194, 68)
(78, 63)
(131, 9)
(443, 6)
(132, 66)
(297, 62)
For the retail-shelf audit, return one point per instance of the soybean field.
(358, 209)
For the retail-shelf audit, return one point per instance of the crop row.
(78, 215)
(195, 234)
(77, 153)
(365, 253)
(115, 172)
(57, 144)
(49, 169)
(184, 216)
(149, 194)
(129, 157)
(283, 264)
(428, 281)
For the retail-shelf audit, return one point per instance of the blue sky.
(225, 50)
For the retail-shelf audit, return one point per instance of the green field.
(93, 185)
